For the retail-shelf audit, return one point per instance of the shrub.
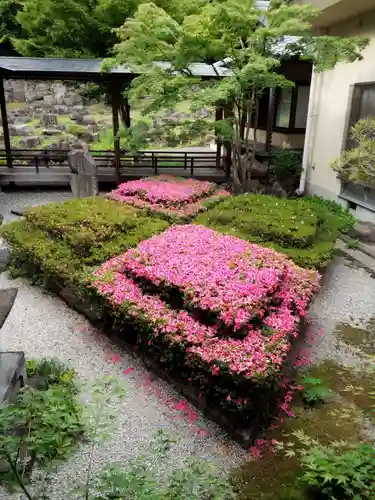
(287, 167)
(357, 164)
(227, 326)
(305, 229)
(169, 196)
(314, 390)
(337, 472)
(44, 422)
(64, 240)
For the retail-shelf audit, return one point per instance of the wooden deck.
(61, 175)
(35, 167)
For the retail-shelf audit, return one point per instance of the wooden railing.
(49, 158)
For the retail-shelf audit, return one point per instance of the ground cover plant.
(63, 240)
(227, 327)
(43, 424)
(169, 196)
(305, 229)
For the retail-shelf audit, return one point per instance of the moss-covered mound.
(305, 229)
(65, 240)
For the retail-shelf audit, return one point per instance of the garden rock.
(258, 170)
(20, 129)
(277, 190)
(48, 119)
(51, 131)
(252, 185)
(84, 178)
(5, 254)
(30, 142)
(49, 100)
(86, 120)
(7, 298)
(364, 232)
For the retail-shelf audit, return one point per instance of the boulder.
(29, 142)
(49, 100)
(364, 232)
(259, 170)
(252, 186)
(20, 129)
(48, 119)
(5, 254)
(51, 131)
(87, 120)
(277, 190)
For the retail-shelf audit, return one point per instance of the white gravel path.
(42, 325)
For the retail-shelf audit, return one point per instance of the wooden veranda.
(116, 164)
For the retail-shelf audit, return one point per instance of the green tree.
(9, 26)
(72, 28)
(240, 38)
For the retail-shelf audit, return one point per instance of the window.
(291, 108)
(303, 94)
(362, 106)
(284, 107)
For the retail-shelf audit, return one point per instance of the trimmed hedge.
(226, 328)
(305, 229)
(174, 198)
(65, 240)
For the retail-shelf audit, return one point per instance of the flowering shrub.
(167, 195)
(220, 310)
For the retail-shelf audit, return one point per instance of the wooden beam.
(116, 101)
(218, 116)
(228, 113)
(270, 119)
(4, 118)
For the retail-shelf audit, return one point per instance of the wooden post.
(116, 100)
(218, 117)
(228, 113)
(4, 117)
(270, 119)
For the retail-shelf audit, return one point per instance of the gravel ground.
(347, 296)
(42, 325)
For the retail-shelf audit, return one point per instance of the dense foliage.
(63, 240)
(305, 229)
(44, 422)
(237, 39)
(172, 197)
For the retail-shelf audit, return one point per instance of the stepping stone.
(363, 231)
(19, 211)
(7, 298)
(12, 374)
(5, 255)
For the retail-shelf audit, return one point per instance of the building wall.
(330, 102)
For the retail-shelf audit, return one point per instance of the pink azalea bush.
(168, 195)
(241, 303)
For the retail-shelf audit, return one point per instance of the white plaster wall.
(329, 112)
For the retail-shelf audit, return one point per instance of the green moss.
(274, 477)
(64, 240)
(12, 106)
(304, 229)
(360, 338)
(75, 129)
(356, 386)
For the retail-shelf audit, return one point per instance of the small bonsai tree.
(357, 165)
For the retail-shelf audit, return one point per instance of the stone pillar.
(84, 176)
